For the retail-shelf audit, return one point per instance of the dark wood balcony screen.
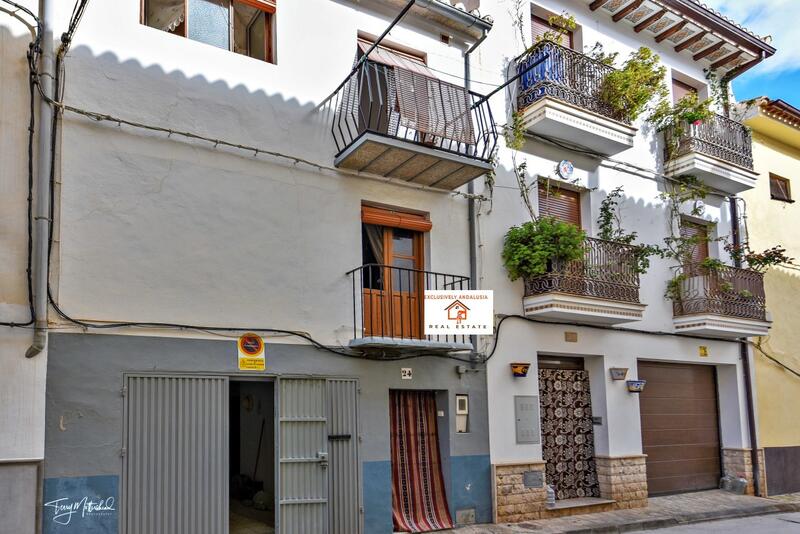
(690, 230)
(562, 204)
(540, 26)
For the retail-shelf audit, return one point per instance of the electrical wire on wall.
(60, 107)
(34, 50)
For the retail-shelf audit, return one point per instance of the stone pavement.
(662, 512)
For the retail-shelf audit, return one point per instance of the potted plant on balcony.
(532, 249)
(674, 119)
(630, 89)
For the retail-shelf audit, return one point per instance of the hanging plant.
(630, 90)
(674, 119)
(531, 249)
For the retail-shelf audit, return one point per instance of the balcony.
(399, 123)
(718, 151)
(722, 302)
(560, 98)
(603, 288)
(388, 306)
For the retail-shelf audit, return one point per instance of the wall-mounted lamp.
(636, 386)
(618, 373)
(520, 370)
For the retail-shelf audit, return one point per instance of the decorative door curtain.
(419, 503)
(567, 433)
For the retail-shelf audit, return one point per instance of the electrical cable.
(32, 55)
(596, 327)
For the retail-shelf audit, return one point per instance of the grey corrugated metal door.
(344, 477)
(176, 461)
(303, 456)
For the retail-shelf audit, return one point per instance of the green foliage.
(746, 294)
(610, 225)
(514, 133)
(673, 290)
(561, 25)
(674, 119)
(598, 53)
(630, 90)
(711, 264)
(759, 261)
(529, 249)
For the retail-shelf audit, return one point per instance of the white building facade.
(222, 168)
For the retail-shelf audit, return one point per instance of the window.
(392, 283)
(563, 204)
(699, 232)
(540, 25)
(779, 188)
(680, 90)
(241, 26)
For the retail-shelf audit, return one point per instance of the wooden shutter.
(779, 187)
(395, 219)
(680, 89)
(539, 26)
(562, 204)
(700, 251)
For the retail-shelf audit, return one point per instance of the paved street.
(692, 511)
(766, 524)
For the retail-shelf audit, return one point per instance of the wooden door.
(680, 427)
(393, 300)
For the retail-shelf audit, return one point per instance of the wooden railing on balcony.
(727, 291)
(565, 75)
(608, 271)
(718, 137)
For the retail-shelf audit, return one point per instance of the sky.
(778, 76)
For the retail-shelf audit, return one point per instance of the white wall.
(157, 229)
(641, 211)
(21, 380)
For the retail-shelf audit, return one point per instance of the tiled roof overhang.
(693, 29)
(782, 111)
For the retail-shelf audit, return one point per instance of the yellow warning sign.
(251, 352)
(703, 351)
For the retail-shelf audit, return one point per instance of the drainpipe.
(471, 211)
(44, 162)
(744, 353)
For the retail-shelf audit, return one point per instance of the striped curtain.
(419, 503)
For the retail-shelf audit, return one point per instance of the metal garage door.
(680, 427)
(344, 476)
(303, 474)
(176, 455)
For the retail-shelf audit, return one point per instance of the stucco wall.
(85, 407)
(21, 380)
(769, 224)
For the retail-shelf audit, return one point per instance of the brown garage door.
(680, 427)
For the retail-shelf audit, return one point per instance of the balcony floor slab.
(556, 306)
(720, 326)
(410, 162)
(714, 172)
(406, 345)
(553, 118)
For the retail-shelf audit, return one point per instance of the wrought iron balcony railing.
(608, 271)
(718, 137)
(388, 301)
(565, 75)
(727, 291)
(404, 105)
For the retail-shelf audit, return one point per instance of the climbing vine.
(610, 228)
